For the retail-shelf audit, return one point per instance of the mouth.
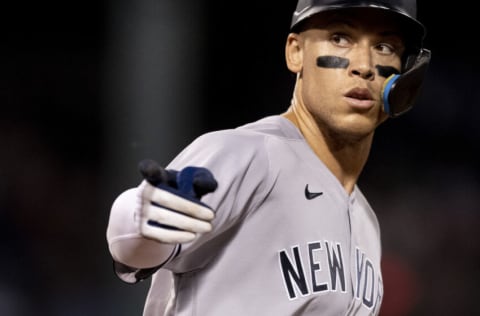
(360, 98)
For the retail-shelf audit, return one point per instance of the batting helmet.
(405, 9)
(400, 90)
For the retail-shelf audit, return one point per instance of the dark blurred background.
(87, 89)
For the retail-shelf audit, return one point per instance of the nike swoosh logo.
(311, 195)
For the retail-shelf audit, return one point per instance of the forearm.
(125, 243)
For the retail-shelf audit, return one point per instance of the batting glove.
(170, 210)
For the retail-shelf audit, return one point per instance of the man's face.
(345, 61)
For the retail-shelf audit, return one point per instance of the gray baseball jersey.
(287, 238)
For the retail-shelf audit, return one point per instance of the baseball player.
(267, 218)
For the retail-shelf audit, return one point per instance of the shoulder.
(240, 154)
(257, 132)
(273, 126)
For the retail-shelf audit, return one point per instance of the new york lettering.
(306, 278)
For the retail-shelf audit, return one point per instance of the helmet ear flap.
(409, 62)
(400, 91)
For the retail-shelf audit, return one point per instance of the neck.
(344, 156)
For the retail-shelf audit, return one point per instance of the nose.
(361, 64)
(364, 73)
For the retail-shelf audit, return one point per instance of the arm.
(148, 222)
(126, 243)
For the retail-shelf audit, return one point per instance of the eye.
(339, 39)
(385, 49)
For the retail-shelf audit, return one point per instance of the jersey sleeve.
(243, 178)
(239, 162)
(133, 275)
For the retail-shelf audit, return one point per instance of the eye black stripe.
(332, 62)
(340, 62)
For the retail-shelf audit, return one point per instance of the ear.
(293, 53)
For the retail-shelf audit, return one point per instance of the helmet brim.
(414, 30)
